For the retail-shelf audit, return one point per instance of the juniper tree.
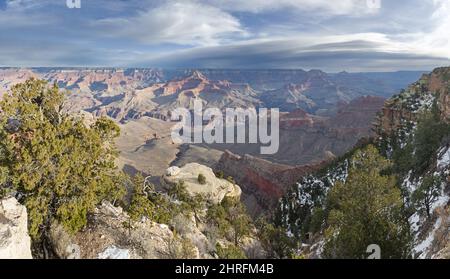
(60, 166)
(140, 205)
(231, 218)
(190, 203)
(427, 139)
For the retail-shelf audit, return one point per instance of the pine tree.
(428, 136)
(366, 209)
(427, 193)
(274, 240)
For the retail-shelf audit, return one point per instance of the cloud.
(436, 41)
(326, 7)
(187, 23)
(424, 31)
(21, 13)
(330, 35)
(21, 5)
(356, 52)
(22, 53)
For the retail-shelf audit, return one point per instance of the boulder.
(215, 189)
(110, 234)
(108, 209)
(173, 171)
(63, 243)
(15, 243)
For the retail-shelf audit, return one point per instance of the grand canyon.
(322, 117)
(223, 130)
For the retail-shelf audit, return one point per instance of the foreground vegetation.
(368, 195)
(61, 167)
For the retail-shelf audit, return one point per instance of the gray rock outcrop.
(110, 235)
(15, 243)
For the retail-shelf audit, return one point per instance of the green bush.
(201, 179)
(230, 252)
(428, 137)
(220, 174)
(62, 167)
(367, 209)
(231, 179)
(231, 219)
(189, 204)
(274, 240)
(140, 205)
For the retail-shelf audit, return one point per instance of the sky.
(331, 35)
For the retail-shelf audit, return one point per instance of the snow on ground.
(444, 160)
(423, 247)
(410, 183)
(112, 252)
(441, 201)
(426, 102)
(414, 220)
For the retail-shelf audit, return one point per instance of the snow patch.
(444, 160)
(113, 252)
(424, 246)
(414, 220)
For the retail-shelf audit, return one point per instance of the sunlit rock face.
(14, 239)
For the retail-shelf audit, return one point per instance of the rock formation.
(420, 95)
(215, 189)
(308, 139)
(107, 236)
(262, 182)
(111, 234)
(14, 239)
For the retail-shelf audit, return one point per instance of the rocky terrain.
(397, 128)
(306, 141)
(214, 189)
(307, 138)
(322, 116)
(375, 84)
(263, 182)
(316, 132)
(399, 117)
(132, 93)
(110, 233)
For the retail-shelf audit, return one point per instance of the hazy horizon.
(201, 69)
